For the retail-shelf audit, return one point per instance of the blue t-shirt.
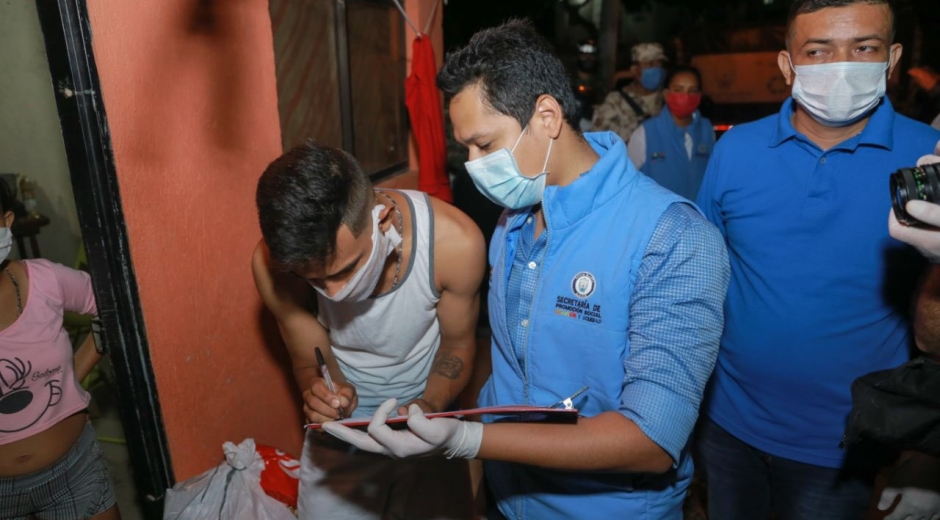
(818, 289)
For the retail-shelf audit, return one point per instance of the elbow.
(659, 463)
(655, 462)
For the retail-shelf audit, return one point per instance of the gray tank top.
(385, 345)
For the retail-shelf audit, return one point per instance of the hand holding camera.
(915, 194)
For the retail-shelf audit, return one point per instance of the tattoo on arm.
(448, 366)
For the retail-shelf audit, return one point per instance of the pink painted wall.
(189, 89)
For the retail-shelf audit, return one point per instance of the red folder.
(506, 413)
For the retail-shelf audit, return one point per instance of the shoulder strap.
(634, 105)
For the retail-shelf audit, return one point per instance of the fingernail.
(335, 403)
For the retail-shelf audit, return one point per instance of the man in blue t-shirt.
(818, 289)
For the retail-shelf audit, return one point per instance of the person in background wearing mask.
(818, 289)
(600, 278)
(673, 148)
(51, 465)
(585, 84)
(624, 109)
(386, 284)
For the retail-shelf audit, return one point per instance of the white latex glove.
(926, 240)
(424, 436)
(915, 504)
(930, 159)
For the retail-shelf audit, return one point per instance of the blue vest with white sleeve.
(578, 335)
(667, 160)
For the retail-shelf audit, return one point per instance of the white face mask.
(6, 243)
(497, 176)
(363, 283)
(839, 93)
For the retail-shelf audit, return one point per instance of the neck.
(571, 156)
(825, 137)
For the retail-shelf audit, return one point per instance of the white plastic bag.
(230, 491)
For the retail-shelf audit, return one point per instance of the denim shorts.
(74, 487)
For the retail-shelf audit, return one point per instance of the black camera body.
(918, 183)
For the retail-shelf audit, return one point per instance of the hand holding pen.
(325, 373)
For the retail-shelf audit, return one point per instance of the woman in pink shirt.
(51, 466)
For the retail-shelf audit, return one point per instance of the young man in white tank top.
(386, 284)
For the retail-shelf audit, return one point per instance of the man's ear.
(783, 61)
(895, 57)
(8, 219)
(549, 116)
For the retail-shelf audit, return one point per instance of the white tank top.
(385, 345)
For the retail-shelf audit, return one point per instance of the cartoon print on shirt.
(19, 406)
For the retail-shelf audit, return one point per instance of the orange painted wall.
(189, 90)
(192, 107)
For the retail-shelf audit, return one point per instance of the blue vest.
(667, 161)
(598, 229)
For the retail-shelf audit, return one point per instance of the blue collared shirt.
(523, 283)
(819, 290)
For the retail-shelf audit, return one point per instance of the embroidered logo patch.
(583, 284)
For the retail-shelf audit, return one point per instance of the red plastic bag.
(281, 475)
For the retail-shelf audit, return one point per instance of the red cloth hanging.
(427, 120)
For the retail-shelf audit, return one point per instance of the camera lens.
(920, 183)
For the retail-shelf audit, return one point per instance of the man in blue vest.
(601, 279)
(819, 291)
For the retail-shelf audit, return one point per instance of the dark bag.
(899, 407)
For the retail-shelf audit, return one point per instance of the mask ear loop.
(519, 139)
(547, 155)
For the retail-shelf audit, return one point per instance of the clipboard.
(504, 413)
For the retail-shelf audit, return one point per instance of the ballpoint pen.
(324, 371)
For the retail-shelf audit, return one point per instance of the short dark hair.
(6, 198)
(683, 69)
(513, 65)
(799, 7)
(304, 196)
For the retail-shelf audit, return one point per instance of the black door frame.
(67, 35)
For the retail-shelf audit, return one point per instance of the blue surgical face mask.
(497, 176)
(652, 78)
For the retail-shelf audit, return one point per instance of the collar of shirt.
(878, 132)
(612, 173)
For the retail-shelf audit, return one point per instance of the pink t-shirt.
(37, 378)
